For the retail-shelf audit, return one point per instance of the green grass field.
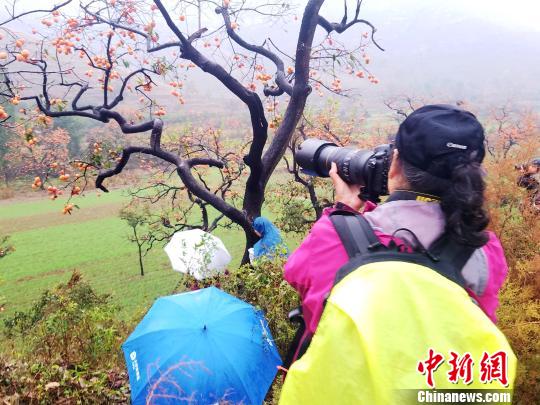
(49, 246)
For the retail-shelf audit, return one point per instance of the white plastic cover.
(197, 253)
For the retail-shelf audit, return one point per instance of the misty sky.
(483, 51)
(520, 14)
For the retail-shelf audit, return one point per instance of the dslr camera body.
(367, 168)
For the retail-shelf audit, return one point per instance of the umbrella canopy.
(198, 253)
(203, 347)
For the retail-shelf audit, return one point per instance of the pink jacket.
(312, 267)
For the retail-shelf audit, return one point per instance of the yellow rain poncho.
(379, 322)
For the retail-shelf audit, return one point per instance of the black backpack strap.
(445, 256)
(358, 238)
(355, 233)
(449, 258)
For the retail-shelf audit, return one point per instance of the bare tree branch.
(281, 79)
(15, 17)
(343, 25)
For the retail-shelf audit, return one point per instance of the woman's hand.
(345, 193)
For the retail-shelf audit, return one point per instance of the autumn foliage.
(39, 153)
(90, 60)
(517, 224)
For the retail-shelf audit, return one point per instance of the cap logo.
(456, 145)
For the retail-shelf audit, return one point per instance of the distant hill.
(434, 50)
(443, 54)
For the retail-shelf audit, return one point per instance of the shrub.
(6, 193)
(38, 383)
(514, 140)
(295, 211)
(68, 325)
(67, 349)
(519, 312)
(5, 247)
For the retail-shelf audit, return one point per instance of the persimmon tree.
(89, 57)
(177, 204)
(508, 130)
(37, 153)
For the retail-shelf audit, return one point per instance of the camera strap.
(412, 196)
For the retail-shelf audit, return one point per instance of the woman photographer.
(436, 185)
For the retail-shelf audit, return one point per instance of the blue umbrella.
(202, 347)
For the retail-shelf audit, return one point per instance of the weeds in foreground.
(65, 347)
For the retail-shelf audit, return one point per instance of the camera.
(367, 168)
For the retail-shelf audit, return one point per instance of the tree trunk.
(253, 201)
(251, 239)
(252, 206)
(262, 169)
(141, 260)
(139, 247)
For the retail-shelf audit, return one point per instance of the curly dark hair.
(462, 199)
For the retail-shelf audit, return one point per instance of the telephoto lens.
(367, 168)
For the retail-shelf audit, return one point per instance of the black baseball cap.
(436, 138)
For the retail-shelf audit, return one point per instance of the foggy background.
(482, 52)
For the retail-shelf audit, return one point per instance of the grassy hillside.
(50, 245)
